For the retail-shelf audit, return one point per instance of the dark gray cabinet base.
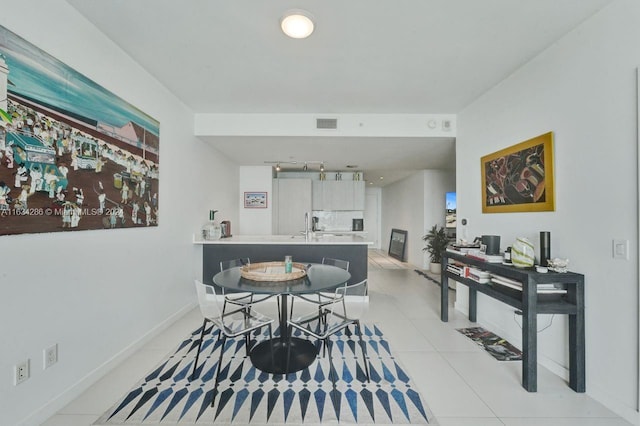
(356, 254)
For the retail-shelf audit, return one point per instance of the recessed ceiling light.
(297, 24)
(381, 177)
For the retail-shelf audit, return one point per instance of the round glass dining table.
(303, 352)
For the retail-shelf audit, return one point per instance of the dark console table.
(531, 303)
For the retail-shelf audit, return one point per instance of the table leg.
(444, 296)
(303, 351)
(577, 380)
(530, 337)
(473, 305)
(283, 318)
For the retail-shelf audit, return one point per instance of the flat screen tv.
(451, 210)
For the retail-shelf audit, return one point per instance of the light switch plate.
(621, 249)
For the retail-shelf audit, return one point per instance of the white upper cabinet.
(358, 194)
(317, 195)
(293, 200)
(338, 195)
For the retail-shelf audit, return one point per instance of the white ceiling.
(364, 57)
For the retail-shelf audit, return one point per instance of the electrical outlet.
(49, 356)
(21, 372)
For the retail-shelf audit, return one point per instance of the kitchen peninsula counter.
(267, 248)
(319, 238)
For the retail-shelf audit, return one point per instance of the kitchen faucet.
(306, 226)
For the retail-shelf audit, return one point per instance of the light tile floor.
(463, 385)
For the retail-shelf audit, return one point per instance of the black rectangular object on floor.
(398, 244)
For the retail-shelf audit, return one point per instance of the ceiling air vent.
(326, 123)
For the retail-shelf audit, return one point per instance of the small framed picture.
(255, 200)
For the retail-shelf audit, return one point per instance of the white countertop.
(318, 239)
(361, 233)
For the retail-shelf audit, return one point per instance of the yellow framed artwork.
(519, 178)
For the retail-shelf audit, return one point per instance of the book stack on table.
(474, 252)
(474, 274)
(549, 288)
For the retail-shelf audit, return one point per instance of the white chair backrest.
(344, 264)
(227, 264)
(356, 300)
(208, 300)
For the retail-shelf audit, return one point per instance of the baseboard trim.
(75, 390)
(613, 404)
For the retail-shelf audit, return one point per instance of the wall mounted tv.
(451, 210)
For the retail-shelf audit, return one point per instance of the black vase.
(545, 247)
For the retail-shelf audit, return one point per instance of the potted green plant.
(436, 243)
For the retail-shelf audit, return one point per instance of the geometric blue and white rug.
(247, 396)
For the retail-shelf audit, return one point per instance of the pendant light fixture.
(297, 24)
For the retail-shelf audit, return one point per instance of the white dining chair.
(230, 325)
(242, 299)
(323, 298)
(329, 322)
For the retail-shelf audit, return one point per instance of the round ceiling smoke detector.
(297, 24)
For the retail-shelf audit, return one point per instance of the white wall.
(373, 216)
(255, 221)
(415, 204)
(96, 292)
(583, 89)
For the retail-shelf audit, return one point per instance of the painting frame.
(519, 178)
(255, 200)
(398, 244)
(74, 156)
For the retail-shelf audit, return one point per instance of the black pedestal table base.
(303, 353)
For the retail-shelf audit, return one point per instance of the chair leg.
(224, 304)
(195, 364)
(215, 386)
(332, 372)
(291, 312)
(364, 350)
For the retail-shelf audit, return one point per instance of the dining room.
(118, 303)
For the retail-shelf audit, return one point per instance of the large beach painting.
(73, 156)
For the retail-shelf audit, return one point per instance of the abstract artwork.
(519, 178)
(73, 156)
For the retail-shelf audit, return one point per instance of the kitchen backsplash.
(336, 220)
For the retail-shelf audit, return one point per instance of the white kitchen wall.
(583, 88)
(99, 294)
(255, 221)
(337, 220)
(373, 216)
(415, 204)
